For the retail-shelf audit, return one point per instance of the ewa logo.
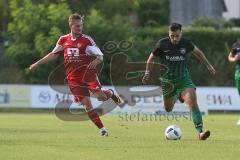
(73, 52)
(182, 50)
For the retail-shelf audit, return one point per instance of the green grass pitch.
(45, 137)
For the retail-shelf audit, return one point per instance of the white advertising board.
(43, 96)
(220, 98)
(46, 97)
(14, 96)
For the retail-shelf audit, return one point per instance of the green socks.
(197, 119)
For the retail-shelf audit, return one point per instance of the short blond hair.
(75, 16)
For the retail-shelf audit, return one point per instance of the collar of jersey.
(75, 38)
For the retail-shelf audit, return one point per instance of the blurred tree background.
(30, 29)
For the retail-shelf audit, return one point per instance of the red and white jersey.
(78, 53)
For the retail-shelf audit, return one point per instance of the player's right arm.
(150, 62)
(96, 52)
(50, 56)
(149, 66)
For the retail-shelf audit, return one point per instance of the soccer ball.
(173, 133)
(238, 122)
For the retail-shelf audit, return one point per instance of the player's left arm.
(94, 51)
(200, 55)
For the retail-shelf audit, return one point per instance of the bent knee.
(192, 103)
(168, 108)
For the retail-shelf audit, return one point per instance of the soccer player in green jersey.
(172, 52)
(234, 56)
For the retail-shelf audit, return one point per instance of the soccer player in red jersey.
(81, 56)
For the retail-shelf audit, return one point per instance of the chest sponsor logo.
(73, 52)
(175, 58)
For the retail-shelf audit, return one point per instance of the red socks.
(92, 114)
(95, 118)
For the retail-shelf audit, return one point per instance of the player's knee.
(168, 108)
(192, 104)
(88, 108)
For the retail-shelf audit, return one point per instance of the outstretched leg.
(189, 96)
(237, 79)
(92, 114)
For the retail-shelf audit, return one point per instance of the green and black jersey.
(236, 50)
(174, 56)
